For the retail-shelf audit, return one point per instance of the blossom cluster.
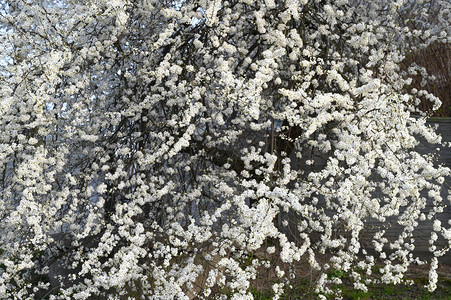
(167, 149)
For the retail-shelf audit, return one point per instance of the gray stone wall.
(423, 231)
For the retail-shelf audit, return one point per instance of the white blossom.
(170, 149)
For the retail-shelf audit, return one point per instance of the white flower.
(102, 188)
(32, 141)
